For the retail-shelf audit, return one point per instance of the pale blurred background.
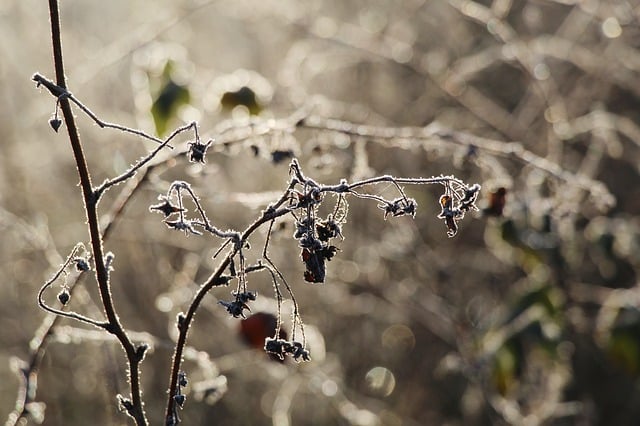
(529, 315)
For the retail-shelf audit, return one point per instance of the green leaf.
(168, 101)
(243, 96)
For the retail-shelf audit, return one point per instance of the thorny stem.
(268, 215)
(144, 160)
(179, 186)
(271, 213)
(105, 124)
(436, 131)
(91, 198)
(420, 136)
(345, 187)
(90, 202)
(39, 343)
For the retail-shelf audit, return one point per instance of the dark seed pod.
(64, 296)
(55, 124)
(180, 400)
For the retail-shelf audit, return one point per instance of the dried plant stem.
(268, 215)
(42, 337)
(90, 202)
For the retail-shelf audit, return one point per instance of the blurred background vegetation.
(530, 315)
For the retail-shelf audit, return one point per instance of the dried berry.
(314, 262)
(55, 124)
(165, 207)
(64, 296)
(237, 307)
(275, 347)
(328, 229)
(450, 215)
(399, 207)
(81, 264)
(282, 347)
(182, 379)
(180, 399)
(198, 151)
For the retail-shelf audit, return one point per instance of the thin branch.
(90, 201)
(274, 270)
(106, 124)
(59, 91)
(41, 339)
(67, 314)
(435, 131)
(178, 186)
(144, 160)
(268, 215)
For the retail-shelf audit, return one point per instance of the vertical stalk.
(90, 203)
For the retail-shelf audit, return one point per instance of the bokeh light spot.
(399, 337)
(380, 381)
(611, 28)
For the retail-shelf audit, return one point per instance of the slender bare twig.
(58, 92)
(275, 271)
(312, 193)
(268, 215)
(125, 129)
(39, 343)
(67, 314)
(135, 407)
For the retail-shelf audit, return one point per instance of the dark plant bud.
(81, 264)
(165, 207)
(246, 296)
(298, 352)
(275, 347)
(55, 124)
(180, 320)
(198, 151)
(141, 350)
(109, 257)
(399, 207)
(125, 403)
(182, 379)
(328, 229)
(329, 251)
(182, 225)
(64, 296)
(179, 399)
(235, 308)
